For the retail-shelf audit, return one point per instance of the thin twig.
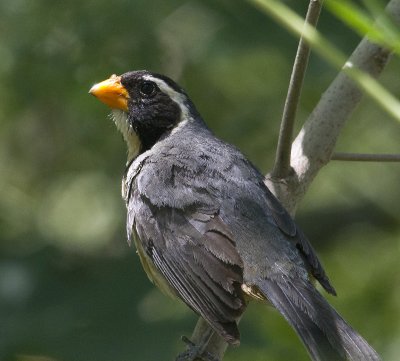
(358, 157)
(314, 145)
(282, 160)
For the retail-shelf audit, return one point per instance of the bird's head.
(146, 106)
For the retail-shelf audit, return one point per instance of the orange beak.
(112, 93)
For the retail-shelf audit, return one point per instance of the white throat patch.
(132, 140)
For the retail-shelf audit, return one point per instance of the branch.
(282, 160)
(314, 145)
(357, 157)
(216, 346)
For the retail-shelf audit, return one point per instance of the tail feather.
(324, 332)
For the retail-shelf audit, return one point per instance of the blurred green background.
(70, 287)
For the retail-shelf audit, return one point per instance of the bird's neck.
(143, 138)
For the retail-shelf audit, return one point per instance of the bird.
(207, 229)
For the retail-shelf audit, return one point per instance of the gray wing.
(192, 249)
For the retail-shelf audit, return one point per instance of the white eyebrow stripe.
(178, 98)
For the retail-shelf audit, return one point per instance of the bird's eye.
(148, 88)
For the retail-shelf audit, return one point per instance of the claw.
(195, 352)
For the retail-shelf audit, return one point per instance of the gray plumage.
(210, 232)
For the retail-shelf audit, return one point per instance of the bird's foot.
(195, 352)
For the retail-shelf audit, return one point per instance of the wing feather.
(208, 282)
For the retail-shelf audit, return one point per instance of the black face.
(152, 113)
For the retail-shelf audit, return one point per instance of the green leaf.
(381, 31)
(333, 55)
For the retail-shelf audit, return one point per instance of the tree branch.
(216, 346)
(282, 160)
(314, 145)
(357, 157)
